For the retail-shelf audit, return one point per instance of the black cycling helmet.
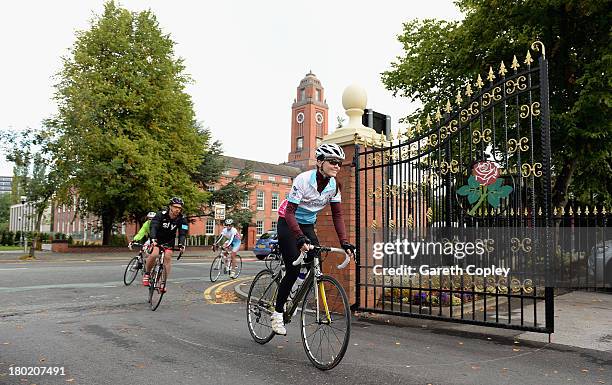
(176, 201)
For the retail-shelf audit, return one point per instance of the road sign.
(219, 211)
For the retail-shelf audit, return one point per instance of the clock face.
(299, 117)
(319, 117)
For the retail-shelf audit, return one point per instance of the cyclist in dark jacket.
(164, 227)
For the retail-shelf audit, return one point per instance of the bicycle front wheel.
(260, 305)
(326, 323)
(216, 268)
(131, 271)
(158, 278)
(238, 268)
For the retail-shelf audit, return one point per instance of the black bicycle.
(135, 265)
(157, 277)
(325, 313)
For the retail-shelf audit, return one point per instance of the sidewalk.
(582, 320)
(49, 256)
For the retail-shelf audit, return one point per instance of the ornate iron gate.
(481, 161)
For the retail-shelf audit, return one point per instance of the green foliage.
(213, 164)
(440, 57)
(118, 240)
(125, 134)
(232, 193)
(7, 238)
(5, 208)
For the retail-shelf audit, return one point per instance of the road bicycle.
(158, 275)
(135, 265)
(325, 314)
(221, 264)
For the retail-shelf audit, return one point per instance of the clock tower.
(308, 122)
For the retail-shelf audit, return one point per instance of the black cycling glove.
(348, 246)
(301, 241)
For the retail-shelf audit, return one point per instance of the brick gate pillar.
(354, 100)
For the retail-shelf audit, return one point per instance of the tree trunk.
(108, 218)
(564, 179)
(36, 236)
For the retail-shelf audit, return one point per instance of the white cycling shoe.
(278, 326)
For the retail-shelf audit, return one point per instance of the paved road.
(80, 316)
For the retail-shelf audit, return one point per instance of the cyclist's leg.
(149, 265)
(290, 252)
(167, 263)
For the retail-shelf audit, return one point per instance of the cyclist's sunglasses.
(177, 207)
(334, 162)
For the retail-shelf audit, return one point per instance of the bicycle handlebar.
(165, 246)
(347, 259)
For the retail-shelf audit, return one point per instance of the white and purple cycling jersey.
(308, 200)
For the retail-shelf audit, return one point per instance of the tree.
(439, 56)
(125, 133)
(234, 193)
(5, 210)
(38, 177)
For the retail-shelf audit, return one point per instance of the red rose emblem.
(485, 173)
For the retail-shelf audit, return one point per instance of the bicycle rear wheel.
(158, 278)
(326, 328)
(216, 268)
(273, 261)
(260, 305)
(131, 271)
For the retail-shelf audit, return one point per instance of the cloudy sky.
(246, 59)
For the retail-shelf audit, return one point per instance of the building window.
(245, 203)
(318, 95)
(211, 188)
(210, 226)
(271, 178)
(273, 226)
(260, 227)
(226, 172)
(274, 201)
(300, 144)
(302, 94)
(285, 180)
(260, 200)
(256, 176)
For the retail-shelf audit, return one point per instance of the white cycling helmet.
(329, 150)
(151, 215)
(229, 222)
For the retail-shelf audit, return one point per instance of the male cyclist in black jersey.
(164, 227)
(311, 192)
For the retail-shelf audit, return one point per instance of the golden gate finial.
(528, 59)
(515, 64)
(468, 90)
(438, 115)
(458, 99)
(491, 75)
(479, 82)
(502, 69)
(448, 107)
